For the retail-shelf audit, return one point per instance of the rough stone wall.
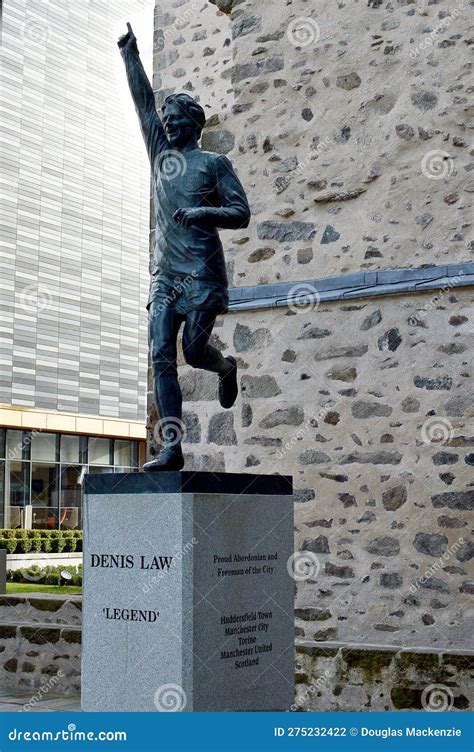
(45, 658)
(381, 679)
(368, 406)
(348, 123)
(354, 151)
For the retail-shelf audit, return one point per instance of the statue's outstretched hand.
(128, 40)
(191, 216)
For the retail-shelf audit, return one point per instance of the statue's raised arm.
(141, 91)
(195, 193)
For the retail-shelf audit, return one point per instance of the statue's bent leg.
(163, 327)
(196, 348)
(200, 354)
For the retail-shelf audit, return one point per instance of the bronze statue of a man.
(195, 192)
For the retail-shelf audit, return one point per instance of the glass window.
(70, 518)
(44, 484)
(43, 446)
(18, 486)
(135, 445)
(44, 518)
(2, 444)
(99, 452)
(14, 446)
(70, 486)
(122, 453)
(83, 449)
(97, 470)
(2, 494)
(17, 492)
(70, 450)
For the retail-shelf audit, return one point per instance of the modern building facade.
(74, 256)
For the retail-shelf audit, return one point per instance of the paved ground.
(14, 700)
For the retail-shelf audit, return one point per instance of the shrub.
(30, 533)
(41, 541)
(9, 544)
(45, 545)
(70, 544)
(58, 545)
(34, 573)
(36, 544)
(15, 575)
(52, 578)
(23, 545)
(45, 575)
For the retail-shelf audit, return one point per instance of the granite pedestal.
(188, 604)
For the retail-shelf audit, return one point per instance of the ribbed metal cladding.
(74, 212)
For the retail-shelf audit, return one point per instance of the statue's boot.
(170, 458)
(228, 388)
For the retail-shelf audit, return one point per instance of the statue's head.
(183, 119)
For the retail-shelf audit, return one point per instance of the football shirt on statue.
(194, 178)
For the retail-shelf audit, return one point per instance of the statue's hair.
(189, 105)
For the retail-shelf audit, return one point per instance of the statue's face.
(179, 128)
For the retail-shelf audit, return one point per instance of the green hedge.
(41, 541)
(45, 575)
